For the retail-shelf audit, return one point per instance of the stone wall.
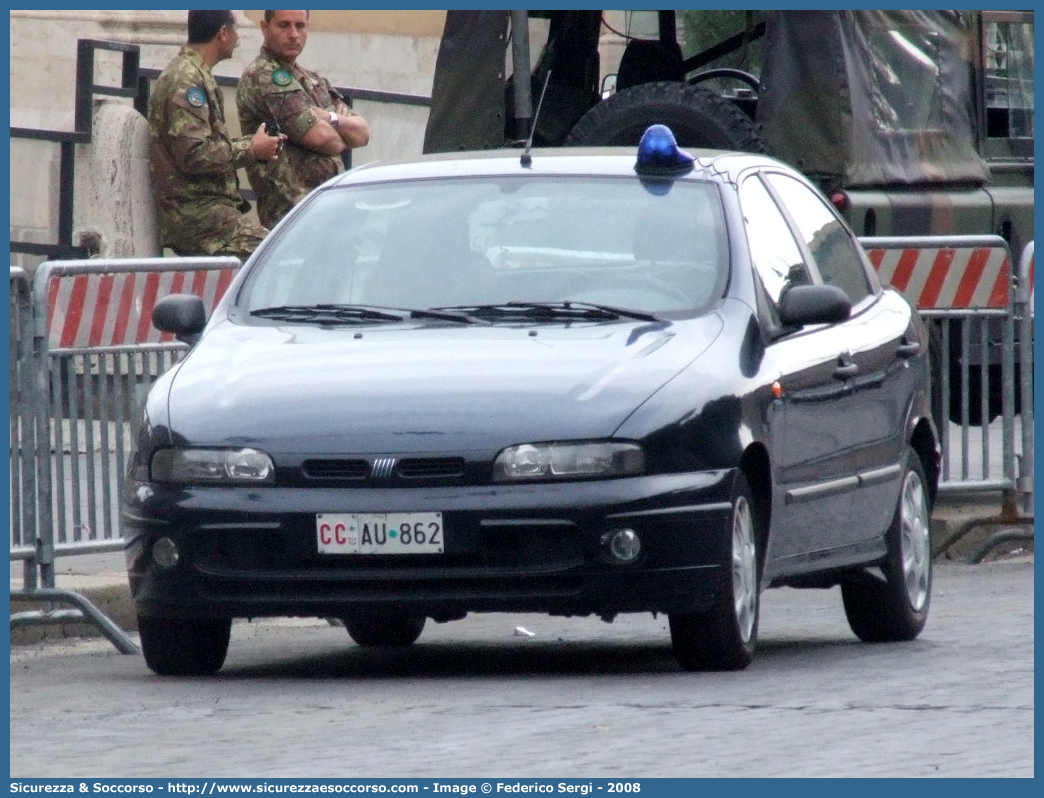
(384, 57)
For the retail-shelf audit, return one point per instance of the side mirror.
(801, 305)
(180, 314)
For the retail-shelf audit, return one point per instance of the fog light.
(165, 553)
(623, 545)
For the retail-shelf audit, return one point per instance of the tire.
(728, 73)
(384, 632)
(935, 369)
(697, 116)
(976, 373)
(723, 637)
(994, 395)
(184, 646)
(895, 607)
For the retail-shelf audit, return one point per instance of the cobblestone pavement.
(577, 698)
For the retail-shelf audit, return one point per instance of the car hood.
(409, 389)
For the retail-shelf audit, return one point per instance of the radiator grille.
(430, 467)
(336, 469)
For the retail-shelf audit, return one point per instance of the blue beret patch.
(196, 97)
(281, 77)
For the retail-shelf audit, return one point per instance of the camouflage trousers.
(219, 230)
(243, 243)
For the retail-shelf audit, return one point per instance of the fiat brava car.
(574, 382)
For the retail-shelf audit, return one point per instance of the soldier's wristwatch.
(335, 120)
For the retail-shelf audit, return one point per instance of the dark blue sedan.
(571, 382)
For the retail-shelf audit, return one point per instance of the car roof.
(714, 165)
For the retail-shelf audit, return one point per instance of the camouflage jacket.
(193, 159)
(273, 91)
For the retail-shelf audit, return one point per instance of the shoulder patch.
(196, 97)
(282, 78)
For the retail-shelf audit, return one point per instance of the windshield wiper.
(443, 315)
(552, 311)
(325, 314)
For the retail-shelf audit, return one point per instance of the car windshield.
(484, 246)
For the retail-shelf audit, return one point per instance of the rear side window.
(835, 253)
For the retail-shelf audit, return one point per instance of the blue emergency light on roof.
(659, 154)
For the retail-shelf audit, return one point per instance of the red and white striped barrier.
(945, 273)
(91, 310)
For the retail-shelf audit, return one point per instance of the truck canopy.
(854, 98)
(882, 97)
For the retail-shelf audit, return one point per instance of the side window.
(835, 254)
(1008, 76)
(777, 258)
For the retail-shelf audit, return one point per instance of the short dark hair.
(203, 26)
(270, 14)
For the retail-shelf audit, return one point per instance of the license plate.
(379, 533)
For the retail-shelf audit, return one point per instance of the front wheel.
(723, 637)
(184, 646)
(895, 607)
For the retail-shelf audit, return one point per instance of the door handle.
(908, 349)
(845, 369)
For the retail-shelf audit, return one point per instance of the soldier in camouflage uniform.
(317, 121)
(193, 159)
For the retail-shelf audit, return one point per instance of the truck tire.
(936, 360)
(697, 116)
(384, 632)
(977, 372)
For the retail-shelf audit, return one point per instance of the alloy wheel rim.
(744, 579)
(914, 542)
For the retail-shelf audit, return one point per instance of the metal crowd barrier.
(1024, 314)
(26, 415)
(83, 355)
(982, 314)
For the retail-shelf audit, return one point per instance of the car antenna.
(527, 159)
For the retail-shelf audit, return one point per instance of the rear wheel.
(184, 646)
(723, 637)
(384, 632)
(895, 607)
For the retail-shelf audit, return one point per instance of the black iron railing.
(86, 89)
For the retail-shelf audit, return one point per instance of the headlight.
(212, 466)
(568, 461)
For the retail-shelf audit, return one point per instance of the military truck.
(913, 123)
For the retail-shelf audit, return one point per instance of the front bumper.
(252, 552)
